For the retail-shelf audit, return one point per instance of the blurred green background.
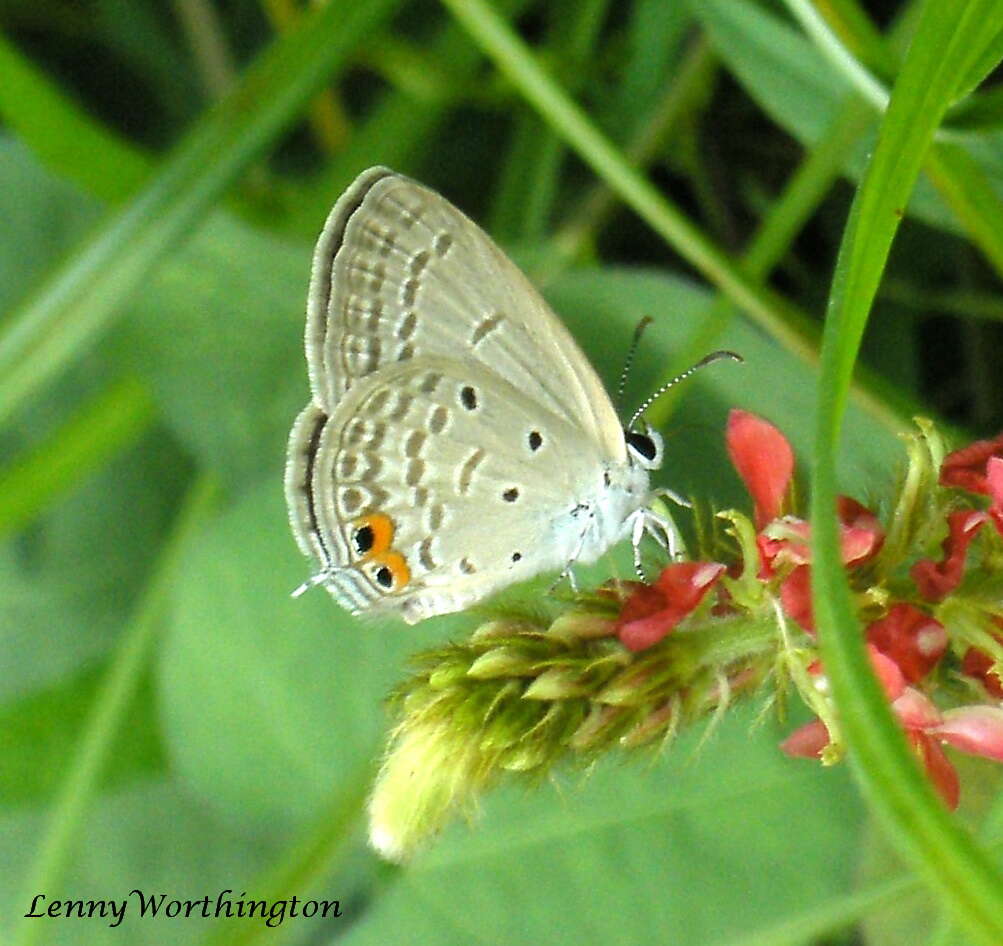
(171, 720)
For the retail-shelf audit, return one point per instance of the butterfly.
(457, 439)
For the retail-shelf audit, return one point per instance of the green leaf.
(270, 703)
(30, 195)
(969, 191)
(69, 580)
(147, 836)
(398, 131)
(219, 335)
(601, 307)
(107, 716)
(968, 175)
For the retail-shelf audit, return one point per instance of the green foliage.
(171, 719)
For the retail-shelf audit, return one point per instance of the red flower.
(653, 610)
(912, 639)
(764, 460)
(936, 580)
(978, 468)
(938, 767)
(788, 539)
(861, 537)
(809, 740)
(860, 533)
(977, 730)
(795, 597)
(978, 664)
(917, 714)
(966, 468)
(994, 483)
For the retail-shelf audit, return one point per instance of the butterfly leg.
(665, 532)
(662, 529)
(657, 522)
(568, 571)
(663, 492)
(637, 530)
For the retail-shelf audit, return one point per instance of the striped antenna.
(702, 363)
(629, 360)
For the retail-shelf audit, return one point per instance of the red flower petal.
(977, 663)
(887, 672)
(861, 534)
(940, 770)
(966, 468)
(994, 485)
(787, 540)
(795, 597)
(977, 730)
(916, 711)
(768, 550)
(936, 580)
(652, 611)
(808, 741)
(914, 640)
(763, 458)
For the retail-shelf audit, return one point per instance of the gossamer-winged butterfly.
(457, 439)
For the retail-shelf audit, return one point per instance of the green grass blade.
(68, 140)
(800, 198)
(963, 183)
(103, 427)
(947, 43)
(816, 26)
(80, 299)
(770, 310)
(960, 178)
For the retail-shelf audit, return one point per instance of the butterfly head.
(644, 447)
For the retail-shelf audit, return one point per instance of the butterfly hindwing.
(434, 483)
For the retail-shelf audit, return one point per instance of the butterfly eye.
(641, 444)
(535, 440)
(647, 447)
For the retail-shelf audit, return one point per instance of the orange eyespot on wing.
(390, 570)
(372, 535)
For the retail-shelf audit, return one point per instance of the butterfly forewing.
(400, 273)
